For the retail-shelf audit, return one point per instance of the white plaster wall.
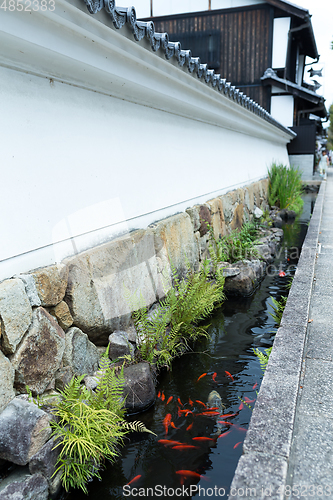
(280, 41)
(116, 147)
(304, 163)
(282, 109)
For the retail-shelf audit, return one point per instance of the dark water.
(240, 325)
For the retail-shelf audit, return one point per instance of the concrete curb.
(262, 470)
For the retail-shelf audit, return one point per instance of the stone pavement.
(311, 457)
(288, 450)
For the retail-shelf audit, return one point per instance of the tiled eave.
(173, 52)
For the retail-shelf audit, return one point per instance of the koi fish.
(201, 376)
(188, 473)
(185, 447)
(169, 442)
(169, 400)
(209, 413)
(237, 444)
(179, 412)
(255, 385)
(227, 415)
(185, 411)
(167, 422)
(173, 425)
(201, 403)
(239, 428)
(159, 394)
(203, 439)
(224, 434)
(241, 406)
(228, 374)
(179, 401)
(162, 396)
(223, 422)
(190, 402)
(134, 479)
(189, 427)
(281, 274)
(214, 376)
(247, 400)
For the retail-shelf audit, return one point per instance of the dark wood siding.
(234, 42)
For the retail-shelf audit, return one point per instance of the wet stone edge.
(267, 444)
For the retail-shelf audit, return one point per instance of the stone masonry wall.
(53, 319)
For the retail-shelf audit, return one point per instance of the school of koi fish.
(191, 410)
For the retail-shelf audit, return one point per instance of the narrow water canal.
(209, 447)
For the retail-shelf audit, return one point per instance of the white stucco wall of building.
(282, 109)
(100, 135)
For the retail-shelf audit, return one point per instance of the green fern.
(263, 358)
(168, 332)
(89, 426)
(278, 308)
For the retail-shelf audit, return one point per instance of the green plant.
(168, 331)
(238, 245)
(285, 187)
(278, 308)
(263, 358)
(89, 426)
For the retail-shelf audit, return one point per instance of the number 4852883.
(27, 5)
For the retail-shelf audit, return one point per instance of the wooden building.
(260, 48)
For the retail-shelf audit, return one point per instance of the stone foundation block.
(39, 354)
(51, 284)
(24, 429)
(15, 314)
(80, 354)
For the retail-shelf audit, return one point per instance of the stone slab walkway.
(288, 449)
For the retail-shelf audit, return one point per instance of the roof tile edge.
(146, 29)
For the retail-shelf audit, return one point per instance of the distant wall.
(100, 135)
(304, 163)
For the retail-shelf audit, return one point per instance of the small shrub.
(278, 308)
(263, 358)
(238, 245)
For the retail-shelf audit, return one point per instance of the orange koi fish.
(134, 479)
(209, 413)
(241, 406)
(201, 376)
(162, 396)
(237, 444)
(179, 412)
(228, 374)
(186, 412)
(190, 402)
(224, 422)
(167, 422)
(203, 439)
(227, 415)
(159, 394)
(179, 401)
(169, 442)
(188, 473)
(255, 385)
(189, 427)
(247, 400)
(224, 434)
(173, 425)
(239, 428)
(201, 403)
(214, 376)
(213, 408)
(169, 400)
(185, 447)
